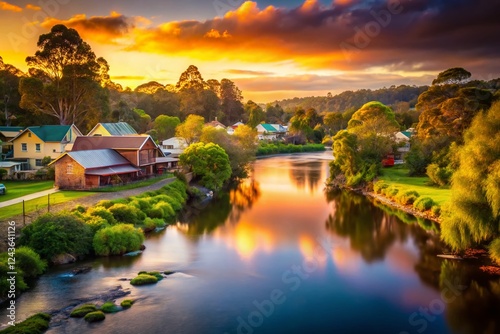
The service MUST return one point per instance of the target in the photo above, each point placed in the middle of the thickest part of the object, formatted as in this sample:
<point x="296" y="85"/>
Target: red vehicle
<point x="388" y="161"/>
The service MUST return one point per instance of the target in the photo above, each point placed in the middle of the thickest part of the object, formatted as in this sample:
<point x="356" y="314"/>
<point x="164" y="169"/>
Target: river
<point x="280" y="255"/>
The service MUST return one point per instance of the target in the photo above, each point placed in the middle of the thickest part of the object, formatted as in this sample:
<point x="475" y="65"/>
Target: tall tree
<point x="454" y="75"/>
<point x="231" y="104"/>
<point x="165" y="126"/>
<point x="255" y="114"/>
<point x="474" y="215"/>
<point x="191" y="79"/>
<point x="64" y="79"/>
<point x="190" y="129"/>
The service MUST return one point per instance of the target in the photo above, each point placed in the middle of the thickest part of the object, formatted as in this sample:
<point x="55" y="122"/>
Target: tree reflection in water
<point x="227" y="206"/>
<point x="305" y="173"/>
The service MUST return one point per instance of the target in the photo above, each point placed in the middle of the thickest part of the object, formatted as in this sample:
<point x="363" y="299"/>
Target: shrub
<point x="195" y="192"/>
<point x="155" y="213"/>
<point x="144" y="279"/>
<point x="95" y="316"/>
<point x="118" y="239"/>
<point x="173" y="201"/>
<point x="101" y="211"/>
<point x="109" y="307"/>
<point x="141" y="204"/>
<point x="166" y="208"/>
<point x="423" y="203"/>
<point x="105" y="203"/>
<point x="436" y="210"/>
<point x="494" y="250"/>
<point x="29" y="262"/>
<point x="127" y="303"/>
<point x="125" y="214"/>
<point x="392" y="191"/>
<point x="379" y="186"/>
<point x="439" y="175"/>
<point x="53" y="234"/>
<point x="407" y="197"/>
<point x="96" y="223"/>
<point x="79" y="208"/>
<point x="35" y="324"/>
<point x="81" y="311"/>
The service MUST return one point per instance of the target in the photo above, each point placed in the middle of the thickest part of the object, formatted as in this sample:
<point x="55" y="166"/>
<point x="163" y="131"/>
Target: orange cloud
<point x="9" y="7"/>
<point x="103" y="29"/>
<point x="33" y="7"/>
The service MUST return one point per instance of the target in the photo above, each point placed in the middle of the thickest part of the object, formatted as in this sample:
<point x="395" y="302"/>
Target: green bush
<point x="53" y="234"/>
<point x="96" y="223"/>
<point x="127" y="303"/>
<point x="440" y="176"/>
<point x="105" y="203"/>
<point x="36" y="324"/>
<point x="423" y="203"/>
<point x="392" y="191"/>
<point x="81" y="311"/>
<point x="144" y="279"/>
<point x="125" y="214"/>
<point x="166" y="208"/>
<point x="436" y="210"/>
<point x="407" y="197"/>
<point x="117" y="240"/>
<point x="79" y="208"/>
<point x="494" y="250"/>
<point x="141" y="204"/>
<point x="379" y="186"/>
<point x="155" y="213"/>
<point x="29" y="262"/>
<point x="95" y="316"/>
<point x="101" y="211"/>
<point x="109" y="307"/>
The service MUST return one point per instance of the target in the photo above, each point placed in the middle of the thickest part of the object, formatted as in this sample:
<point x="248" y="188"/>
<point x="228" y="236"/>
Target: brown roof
<point x="84" y="143"/>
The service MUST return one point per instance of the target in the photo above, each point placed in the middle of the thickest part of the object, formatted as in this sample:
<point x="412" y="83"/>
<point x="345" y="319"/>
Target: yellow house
<point x="36" y="142"/>
<point x="112" y="129"/>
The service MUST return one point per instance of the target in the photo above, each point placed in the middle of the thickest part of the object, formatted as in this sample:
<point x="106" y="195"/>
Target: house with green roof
<point x="36" y="142"/>
<point x="270" y="131"/>
<point x="112" y="129"/>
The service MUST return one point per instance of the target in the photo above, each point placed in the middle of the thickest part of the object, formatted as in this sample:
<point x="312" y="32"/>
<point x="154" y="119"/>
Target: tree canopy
<point x="190" y="129"/>
<point x="209" y="162"/>
<point x="65" y="78"/>
<point x="452" y="76"/>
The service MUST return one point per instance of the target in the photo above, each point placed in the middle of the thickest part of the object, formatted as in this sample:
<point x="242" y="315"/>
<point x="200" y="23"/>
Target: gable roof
<point x="268" y="127"/>
<point x="11" y="128"/>
<point x="407" y="133"/>
<point x="50" y="133"/>
<point x="215" y="124"/>
<point x="114" y="142"/>
<point x="96" y="158"/>
<point x="117" y="129"/>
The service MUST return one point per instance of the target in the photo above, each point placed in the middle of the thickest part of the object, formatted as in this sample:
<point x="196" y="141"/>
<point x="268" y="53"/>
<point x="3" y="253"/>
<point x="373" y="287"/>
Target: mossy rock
<point x="95" y="316"/>
<point x="36" y="324"/>
<point x="83" y="310"/>
<point x="109" y="307"/>
<point x="156" y="274"/>
<point x="144" y="279"/>
<point x="127" y="303"/>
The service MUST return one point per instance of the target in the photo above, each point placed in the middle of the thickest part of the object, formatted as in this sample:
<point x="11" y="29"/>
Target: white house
<point x="173" y="147"/>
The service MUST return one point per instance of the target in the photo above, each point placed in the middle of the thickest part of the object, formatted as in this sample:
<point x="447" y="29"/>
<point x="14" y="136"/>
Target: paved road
<point x="28" y="197"/>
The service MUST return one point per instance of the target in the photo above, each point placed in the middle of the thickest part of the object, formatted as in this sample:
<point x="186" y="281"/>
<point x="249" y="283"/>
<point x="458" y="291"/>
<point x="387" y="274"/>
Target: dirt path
<point x="85" y="201"/>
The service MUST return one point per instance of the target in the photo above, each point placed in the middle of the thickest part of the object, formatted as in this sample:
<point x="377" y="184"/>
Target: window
<point x="24" y="147"/>
<point x="29" y="134"/>
<point x="38" y="147"/>
<point x="69" y="169"/>
<point x="38" y="162"/>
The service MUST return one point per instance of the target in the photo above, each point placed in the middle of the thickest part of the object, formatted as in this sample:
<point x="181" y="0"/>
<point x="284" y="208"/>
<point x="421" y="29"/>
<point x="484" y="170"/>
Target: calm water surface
<point x="279" y="255"/>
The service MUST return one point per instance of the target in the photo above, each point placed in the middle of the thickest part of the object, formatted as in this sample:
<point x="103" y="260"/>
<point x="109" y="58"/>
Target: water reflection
<point x="305" y="173"/>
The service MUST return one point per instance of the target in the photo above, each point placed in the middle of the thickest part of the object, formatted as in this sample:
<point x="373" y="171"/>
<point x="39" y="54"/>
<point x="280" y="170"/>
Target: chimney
<point x="216" y="118"/>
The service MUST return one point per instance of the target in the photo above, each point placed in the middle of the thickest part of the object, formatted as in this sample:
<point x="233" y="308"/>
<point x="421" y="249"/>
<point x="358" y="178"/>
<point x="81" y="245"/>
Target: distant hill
<point x="355" y="99"/>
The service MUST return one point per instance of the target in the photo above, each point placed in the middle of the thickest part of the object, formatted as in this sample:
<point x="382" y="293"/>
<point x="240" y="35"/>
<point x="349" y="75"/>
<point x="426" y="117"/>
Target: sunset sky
<point x="270" y="49"/>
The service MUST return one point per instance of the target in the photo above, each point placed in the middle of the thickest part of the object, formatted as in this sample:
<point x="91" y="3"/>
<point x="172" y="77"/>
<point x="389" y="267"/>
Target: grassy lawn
<point x="134" y="185"/>
<point x="17" y="189"/>
<point x="398" y="176"/>
<point x="41" y="203"/>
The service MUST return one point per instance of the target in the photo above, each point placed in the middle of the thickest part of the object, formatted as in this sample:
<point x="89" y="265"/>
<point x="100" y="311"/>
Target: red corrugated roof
<point x="84" y="143"/>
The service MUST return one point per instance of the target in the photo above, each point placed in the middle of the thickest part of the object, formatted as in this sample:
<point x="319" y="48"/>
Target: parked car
<point x="3" y="190"/>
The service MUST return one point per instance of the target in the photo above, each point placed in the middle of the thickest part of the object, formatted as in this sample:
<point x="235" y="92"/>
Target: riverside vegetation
<point x="109" y="228"/>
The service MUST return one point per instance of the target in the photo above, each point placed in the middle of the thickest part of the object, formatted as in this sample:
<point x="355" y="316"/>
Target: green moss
<point x="35" y="324"/>
<point x="144" y="279"/>
<point x="156" y="274"/>
<point x="83" y="310"/>
<point x="95" y="316"/>
<point x="127" y="303"/>
<point x="109" y="307"/>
